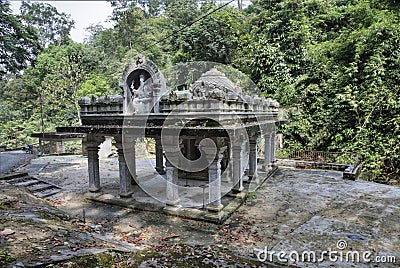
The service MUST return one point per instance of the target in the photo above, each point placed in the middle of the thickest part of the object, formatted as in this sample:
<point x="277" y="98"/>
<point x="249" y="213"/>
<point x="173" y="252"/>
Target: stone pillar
<point x="227" y="175"/>
<point x="84" y="146"/>
<point x="93" y="162"/>
<point x="190" y="148"/>
<point x="280" y="140"/>
<point x="159" y="157"/>
<point x="126" y="152"/>
<point x="269" y="148"/>
<point x="156" y="96"/>
<point x="273" y="147"/>
<point x="253" y="158"/>
<point x="245" y="158"/>
<point x="62" y="145"/>
<point x="267" y="151"/>
<point x="51" y="145"/>
<point x="41" y="147"/>
<point x="172" y="178"/>
<point x="237" y="168"/>
<point x="214" y="179"/>
<point x="214" y="208"/>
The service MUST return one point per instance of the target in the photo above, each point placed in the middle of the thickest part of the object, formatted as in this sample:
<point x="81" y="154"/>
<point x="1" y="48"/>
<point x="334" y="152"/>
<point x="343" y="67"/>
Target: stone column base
<point x="236" y="190"/>
<point x="266" y="168"/>
<point x="160" y="171"/>
<point x="94" y="189"/>
<point x="126" y="195"/>
<point x="214" y="213"/>
<point x="246" y="179"/>
<point x="215" y="216"/>
<point x="254" y="178"/>
<point x="212" y="208"/>
<point x="172" y="202"/>
<point x="172" y="206"/>
<point x="238" y="195"/>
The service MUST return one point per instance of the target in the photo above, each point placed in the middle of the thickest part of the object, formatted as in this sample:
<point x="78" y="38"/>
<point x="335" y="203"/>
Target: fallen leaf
<point x="7" y="232"/>
<point x="170" y="236"/>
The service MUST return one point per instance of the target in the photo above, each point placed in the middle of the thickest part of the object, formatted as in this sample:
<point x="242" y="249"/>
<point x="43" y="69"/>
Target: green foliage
<point x="53" y="27"/>
<point x="5" y="257"/>
<point x="152" y="8"/>
<point x="61" y="72"/>
<point x="19" y="44"/>
<point x="47" y="91"/>
<point x="336" y="64"/>
<point x="95" y="84"/>
<point x="134" y="32"/>
<point x="7" y="113"/>
<point x="181" y="12"/>
<point x="213" y="38"/>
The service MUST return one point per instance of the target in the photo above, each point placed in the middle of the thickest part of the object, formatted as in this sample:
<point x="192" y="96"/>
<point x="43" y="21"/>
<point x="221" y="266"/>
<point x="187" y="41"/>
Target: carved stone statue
<point x="199" y="92"/>
<point x="216" y="94"/>
<point x="144" y="90"/>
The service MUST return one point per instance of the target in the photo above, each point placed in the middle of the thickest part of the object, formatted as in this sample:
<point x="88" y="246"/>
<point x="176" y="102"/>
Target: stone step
<point x="39" y="187"/>
<point x="27" y="183"/>
<point x="18" y="180"/>
<point x="46" y="193"/>
<point x="13" y="176"/>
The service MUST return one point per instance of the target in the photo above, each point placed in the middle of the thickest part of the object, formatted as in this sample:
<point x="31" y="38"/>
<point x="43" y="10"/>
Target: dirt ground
<point x="294" y="211"/>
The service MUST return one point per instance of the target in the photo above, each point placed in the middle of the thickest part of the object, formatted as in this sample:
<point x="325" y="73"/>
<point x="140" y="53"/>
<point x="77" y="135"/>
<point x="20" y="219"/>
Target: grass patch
<point x="5" y="257"/>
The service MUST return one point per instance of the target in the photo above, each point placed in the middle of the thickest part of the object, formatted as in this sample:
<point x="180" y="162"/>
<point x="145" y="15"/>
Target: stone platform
<point x="142" y="201"/>
<point x="69" y="173"/>
<point x="294" y="210"/>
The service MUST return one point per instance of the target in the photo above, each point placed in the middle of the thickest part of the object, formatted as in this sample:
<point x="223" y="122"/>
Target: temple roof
<point x="214" y="78"/>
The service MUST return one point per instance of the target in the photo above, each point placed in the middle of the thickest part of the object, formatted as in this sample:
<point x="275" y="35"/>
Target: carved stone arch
<point x="140" y="64"/>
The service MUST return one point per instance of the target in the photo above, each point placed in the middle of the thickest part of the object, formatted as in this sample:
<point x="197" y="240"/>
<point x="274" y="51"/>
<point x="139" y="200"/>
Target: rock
<point x="7" y="232"/>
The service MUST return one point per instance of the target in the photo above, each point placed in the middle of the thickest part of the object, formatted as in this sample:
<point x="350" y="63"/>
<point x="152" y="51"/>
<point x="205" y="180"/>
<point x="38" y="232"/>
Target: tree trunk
<point x="240" y="5"/>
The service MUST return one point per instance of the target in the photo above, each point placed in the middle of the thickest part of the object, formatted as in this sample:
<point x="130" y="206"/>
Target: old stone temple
<point x="206" y="135"/>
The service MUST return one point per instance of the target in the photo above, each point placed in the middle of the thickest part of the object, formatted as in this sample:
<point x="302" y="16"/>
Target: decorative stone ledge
<point x="112" y="104"/>
<point x="349" y="171"/>
<point x="352" y="172"/>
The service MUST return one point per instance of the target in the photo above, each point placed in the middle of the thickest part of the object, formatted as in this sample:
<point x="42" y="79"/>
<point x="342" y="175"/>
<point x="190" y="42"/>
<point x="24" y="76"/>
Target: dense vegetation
<point x="332" y="64"/>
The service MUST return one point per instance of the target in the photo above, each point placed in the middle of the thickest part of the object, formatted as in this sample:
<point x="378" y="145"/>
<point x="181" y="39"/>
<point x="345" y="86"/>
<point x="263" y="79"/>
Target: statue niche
<point x="143" y="85"/>
<point x="140" y="84"/>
